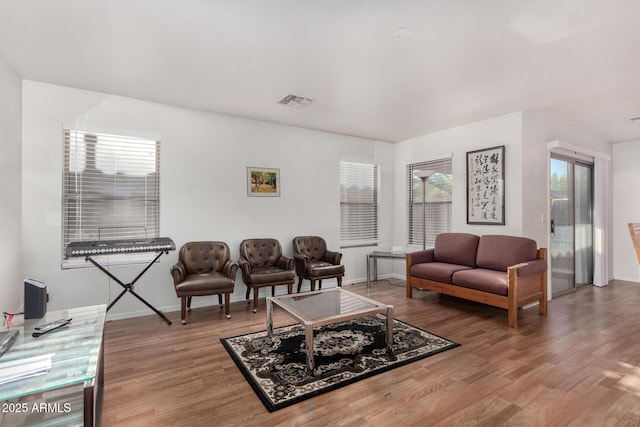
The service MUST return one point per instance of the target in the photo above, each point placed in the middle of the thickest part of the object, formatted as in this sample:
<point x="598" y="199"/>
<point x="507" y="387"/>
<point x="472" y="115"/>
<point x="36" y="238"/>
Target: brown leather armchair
<point x="262" y="264"/>
<point x="315" y="262"/>
<point x="204" y="268"/>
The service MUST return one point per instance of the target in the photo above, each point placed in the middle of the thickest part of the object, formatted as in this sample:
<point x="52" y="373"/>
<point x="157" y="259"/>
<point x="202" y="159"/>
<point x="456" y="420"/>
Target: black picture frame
<point x="485" y="186"/>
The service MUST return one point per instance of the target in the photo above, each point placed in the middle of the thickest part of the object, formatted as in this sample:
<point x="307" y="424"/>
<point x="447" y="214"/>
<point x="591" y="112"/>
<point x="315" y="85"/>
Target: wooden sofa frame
<point x="634" y="231"/>
<point x="523" y="290"/>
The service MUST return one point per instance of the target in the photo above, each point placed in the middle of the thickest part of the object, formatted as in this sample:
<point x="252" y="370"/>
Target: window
<point x="438" y="201"/>
<point x="358" y="204"/>
<point x="111" y="188"/>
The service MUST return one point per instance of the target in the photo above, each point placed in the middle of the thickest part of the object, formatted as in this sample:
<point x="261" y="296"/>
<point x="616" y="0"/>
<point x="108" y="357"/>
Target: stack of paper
<point x="24" y="368"/>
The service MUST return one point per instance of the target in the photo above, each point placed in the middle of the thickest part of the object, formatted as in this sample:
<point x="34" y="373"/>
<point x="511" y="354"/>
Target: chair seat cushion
<point x="204" y="283"/>
<point x="270" y="274"/>
<point x="323" y="268"/>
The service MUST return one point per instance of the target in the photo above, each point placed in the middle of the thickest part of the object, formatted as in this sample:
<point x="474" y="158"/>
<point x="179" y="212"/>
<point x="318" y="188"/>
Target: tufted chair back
<point x="261" y="252"/>
<point x="203" y="268"/>
<point x="315" y="262"/>
<point x="204" y="257"/>
<point x="262" y="264"/>
<point x="313" y="247"/>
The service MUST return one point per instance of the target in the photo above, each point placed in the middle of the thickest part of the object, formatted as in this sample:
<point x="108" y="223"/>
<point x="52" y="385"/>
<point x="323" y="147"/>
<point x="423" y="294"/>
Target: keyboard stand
<point x="128" y="287"/>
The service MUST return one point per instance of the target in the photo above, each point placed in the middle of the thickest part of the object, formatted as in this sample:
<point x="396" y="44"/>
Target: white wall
<point x="203" y="188"/>
<point x="10" y="191"/>
<point x="535" y="180"/>
<point x="204" y="160"/>
<point x="505" y="130"/>
<point x="626" y="202"/>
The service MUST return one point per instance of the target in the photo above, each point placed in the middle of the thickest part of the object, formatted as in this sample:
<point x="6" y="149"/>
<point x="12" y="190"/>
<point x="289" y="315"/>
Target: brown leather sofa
<point x="315" y="262"/>
<point x="262" y="264"/>
<point x="502" y="271"/>
<point x="203" y="268"/>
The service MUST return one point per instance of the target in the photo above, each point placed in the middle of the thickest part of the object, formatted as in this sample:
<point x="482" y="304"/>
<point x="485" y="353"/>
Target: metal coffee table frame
<point x="326" y="306"/>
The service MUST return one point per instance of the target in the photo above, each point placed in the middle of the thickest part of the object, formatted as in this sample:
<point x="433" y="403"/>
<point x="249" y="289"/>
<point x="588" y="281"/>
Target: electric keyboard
<point x="87" y="249"/>
<point x="107" y="247"/>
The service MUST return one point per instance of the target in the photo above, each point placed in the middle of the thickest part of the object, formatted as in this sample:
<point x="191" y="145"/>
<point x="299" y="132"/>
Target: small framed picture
<point x="263" y="182"/>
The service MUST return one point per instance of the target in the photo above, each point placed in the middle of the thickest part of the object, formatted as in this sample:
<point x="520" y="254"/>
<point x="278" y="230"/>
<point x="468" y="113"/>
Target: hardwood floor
<point x="578" y="366"/>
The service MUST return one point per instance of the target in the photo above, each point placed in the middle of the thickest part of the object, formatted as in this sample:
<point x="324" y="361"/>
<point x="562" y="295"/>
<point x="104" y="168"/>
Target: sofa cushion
<point x="493" y="281"/>
<point x="498" y="252"/>
<point x="436" y="271"/>
<point x="456" y="248"/>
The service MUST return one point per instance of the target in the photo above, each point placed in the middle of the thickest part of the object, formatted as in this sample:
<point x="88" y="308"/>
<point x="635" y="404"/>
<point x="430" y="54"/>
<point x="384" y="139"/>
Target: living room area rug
<point x="345" y="352"/>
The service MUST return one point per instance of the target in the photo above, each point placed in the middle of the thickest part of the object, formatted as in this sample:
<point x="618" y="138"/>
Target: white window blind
<point x="359" y="183"/>
<point x="111" y="187"/>
<point x="438" y="201"/>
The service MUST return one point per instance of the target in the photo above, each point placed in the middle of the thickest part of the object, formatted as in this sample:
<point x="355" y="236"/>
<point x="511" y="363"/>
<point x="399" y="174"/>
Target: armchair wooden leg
<point x="188" y="303"/>
<point x="273" y="291"/>
<point x="183" y="310"/>
<point x="255" y="299"/>
<point x="313" y="284"/>
<point x="227" y="300"/>
<point x="299" y="284"/>
<point x="339" y="281"/>
<point x="248" y="290"/>
<point x="220" y="299"/>
<point x="320" y="284"/>
<point x="290" y="288"/>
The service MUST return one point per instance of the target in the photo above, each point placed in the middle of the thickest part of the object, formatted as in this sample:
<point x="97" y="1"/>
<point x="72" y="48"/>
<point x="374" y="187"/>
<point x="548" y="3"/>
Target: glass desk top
<point x="75" y="349"/>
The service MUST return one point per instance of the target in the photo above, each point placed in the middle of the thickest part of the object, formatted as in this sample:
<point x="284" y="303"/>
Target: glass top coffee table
<point x="326" y="306"/>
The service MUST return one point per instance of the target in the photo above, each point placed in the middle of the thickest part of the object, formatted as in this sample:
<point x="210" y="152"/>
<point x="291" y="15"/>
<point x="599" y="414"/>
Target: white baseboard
<point x="200" y="302"/>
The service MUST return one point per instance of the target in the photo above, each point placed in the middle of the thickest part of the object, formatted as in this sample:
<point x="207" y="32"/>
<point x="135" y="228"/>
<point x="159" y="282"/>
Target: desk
<point x="71" y="393"/>
<point x="379" y="254"/>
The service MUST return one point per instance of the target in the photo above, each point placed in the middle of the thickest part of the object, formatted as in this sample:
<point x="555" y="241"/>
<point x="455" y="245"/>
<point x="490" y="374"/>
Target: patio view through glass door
<point x="571" y="228"/>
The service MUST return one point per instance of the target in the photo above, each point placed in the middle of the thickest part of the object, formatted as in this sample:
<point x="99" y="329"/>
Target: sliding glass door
<point x="571" y="249"/>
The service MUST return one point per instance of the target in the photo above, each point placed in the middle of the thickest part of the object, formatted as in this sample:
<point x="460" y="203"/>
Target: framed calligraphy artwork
<point x="485" y="186"/>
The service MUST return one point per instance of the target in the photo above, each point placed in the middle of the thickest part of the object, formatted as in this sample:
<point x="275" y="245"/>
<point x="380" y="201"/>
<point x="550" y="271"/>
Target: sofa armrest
<point x="419" y="257"/>
<point x="531" y="267"/>
<point x="413" y="258"/>
<point x="527" y="284"/>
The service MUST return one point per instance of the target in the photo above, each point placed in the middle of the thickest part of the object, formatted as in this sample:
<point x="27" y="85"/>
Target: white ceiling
<point x="576" y="62"/>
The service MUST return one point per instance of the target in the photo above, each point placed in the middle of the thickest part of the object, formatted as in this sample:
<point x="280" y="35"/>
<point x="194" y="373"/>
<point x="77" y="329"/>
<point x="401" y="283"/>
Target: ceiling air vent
<point x="295" y="101"/>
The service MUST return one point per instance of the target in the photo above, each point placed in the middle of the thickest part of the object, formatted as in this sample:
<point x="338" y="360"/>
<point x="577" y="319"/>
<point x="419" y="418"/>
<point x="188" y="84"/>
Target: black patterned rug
<point x="345" y="352"/>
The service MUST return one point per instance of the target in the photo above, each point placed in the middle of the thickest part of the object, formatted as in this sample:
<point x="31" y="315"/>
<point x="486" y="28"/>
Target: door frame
<point x="601" y="205"/>
<point x="572" y="163"/>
